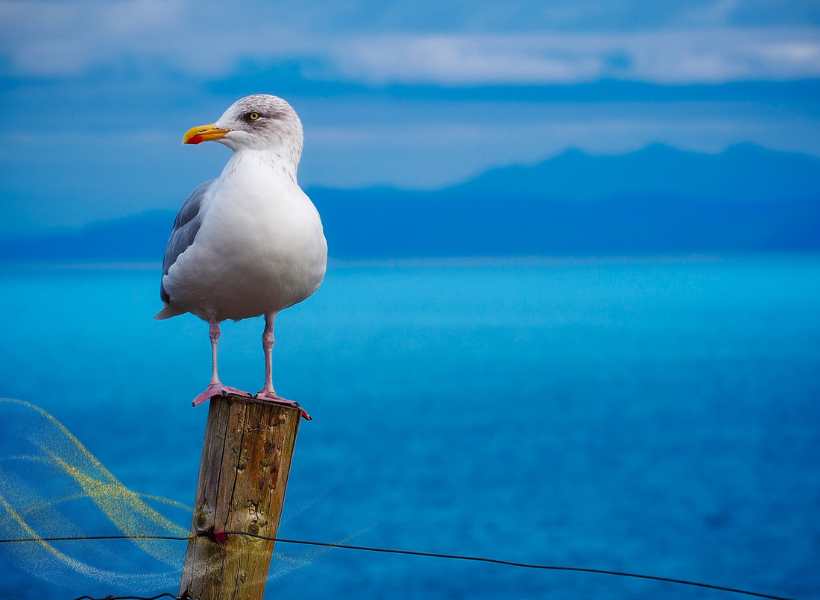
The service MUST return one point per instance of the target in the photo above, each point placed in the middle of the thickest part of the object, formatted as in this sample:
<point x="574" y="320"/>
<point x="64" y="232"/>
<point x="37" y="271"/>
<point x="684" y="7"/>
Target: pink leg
<point x="214" y="333"/>
<point x="268" y="392"/>
<point x="215" y="388"/>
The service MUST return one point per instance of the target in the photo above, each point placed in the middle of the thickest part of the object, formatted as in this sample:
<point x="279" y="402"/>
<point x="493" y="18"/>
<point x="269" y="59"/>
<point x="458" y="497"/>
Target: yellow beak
<point x="203" y="133"/>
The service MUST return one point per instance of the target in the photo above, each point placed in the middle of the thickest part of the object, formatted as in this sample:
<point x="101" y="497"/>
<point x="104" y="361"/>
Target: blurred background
<point x="571" y="313"/>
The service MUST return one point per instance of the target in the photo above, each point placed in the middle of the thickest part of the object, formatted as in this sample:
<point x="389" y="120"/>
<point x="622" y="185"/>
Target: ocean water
<point x="657" y="416"/>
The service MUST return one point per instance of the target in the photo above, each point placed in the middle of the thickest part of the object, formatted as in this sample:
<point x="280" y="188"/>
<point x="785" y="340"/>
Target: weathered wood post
<point x="242" y="479"/>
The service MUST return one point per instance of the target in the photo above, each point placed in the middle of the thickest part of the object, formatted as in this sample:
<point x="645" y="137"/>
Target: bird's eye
<point x="253" y="116"/>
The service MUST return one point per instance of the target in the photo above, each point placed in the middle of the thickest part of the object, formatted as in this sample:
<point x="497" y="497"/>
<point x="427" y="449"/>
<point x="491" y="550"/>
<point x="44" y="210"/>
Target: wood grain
<point x="244" y="471"/>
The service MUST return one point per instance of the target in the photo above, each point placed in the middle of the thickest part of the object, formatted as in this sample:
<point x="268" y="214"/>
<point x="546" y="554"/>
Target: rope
<point x="462" y="557"/>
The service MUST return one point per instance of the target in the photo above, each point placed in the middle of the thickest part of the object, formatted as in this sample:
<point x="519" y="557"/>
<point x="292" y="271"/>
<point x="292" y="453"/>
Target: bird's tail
<point x="168" y="311"/>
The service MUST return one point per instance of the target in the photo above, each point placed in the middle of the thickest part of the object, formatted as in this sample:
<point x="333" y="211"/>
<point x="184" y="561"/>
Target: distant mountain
<point x="136" y="237"/>
<point x="654" y="200"/>
<point x="742" y="172"/>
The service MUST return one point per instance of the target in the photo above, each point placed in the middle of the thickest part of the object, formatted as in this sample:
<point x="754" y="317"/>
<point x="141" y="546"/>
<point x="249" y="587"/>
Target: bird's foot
<point x="272" y="396"/>
<point x="216" y="389"/>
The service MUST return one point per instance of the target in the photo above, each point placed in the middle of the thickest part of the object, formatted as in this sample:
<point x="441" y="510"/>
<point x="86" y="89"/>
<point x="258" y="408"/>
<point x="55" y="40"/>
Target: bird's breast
<point x="267" y="243"/>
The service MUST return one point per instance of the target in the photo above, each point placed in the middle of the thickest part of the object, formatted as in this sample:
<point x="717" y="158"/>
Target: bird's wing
<point x="186" y="226"/>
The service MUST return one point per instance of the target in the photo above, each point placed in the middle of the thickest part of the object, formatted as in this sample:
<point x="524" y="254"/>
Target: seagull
<point x="250" y="242"/>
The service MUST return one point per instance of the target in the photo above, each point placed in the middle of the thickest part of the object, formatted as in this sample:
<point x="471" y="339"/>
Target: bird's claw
<point x="217" y="389"/>
<point x="277" y="399"/>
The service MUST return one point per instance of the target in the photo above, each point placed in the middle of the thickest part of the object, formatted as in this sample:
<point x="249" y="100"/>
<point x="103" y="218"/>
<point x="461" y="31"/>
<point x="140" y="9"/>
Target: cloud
<point x="694" y="56"/>
<point x="69" y="40"/>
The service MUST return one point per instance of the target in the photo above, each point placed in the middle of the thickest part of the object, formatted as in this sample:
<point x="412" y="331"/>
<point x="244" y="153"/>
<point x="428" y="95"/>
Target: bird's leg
<point x="215" y="333"/>
<point x="268" y="392"/>
<point x="215" y="388"/>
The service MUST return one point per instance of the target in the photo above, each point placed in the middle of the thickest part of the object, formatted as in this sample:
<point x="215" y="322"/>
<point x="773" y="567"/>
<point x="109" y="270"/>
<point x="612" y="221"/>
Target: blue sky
<point x="96" y="95"/>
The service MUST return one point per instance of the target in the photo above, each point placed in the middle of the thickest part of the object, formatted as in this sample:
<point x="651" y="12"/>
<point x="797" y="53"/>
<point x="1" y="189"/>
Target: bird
<point x="250" y="242"/>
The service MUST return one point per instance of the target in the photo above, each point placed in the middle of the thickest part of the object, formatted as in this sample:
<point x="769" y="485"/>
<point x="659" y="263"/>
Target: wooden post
<point x="242" y="479"/>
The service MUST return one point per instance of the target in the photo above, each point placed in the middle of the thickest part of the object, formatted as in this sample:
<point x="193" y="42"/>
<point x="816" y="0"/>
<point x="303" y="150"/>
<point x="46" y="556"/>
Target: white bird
<point x="249" y="242"/>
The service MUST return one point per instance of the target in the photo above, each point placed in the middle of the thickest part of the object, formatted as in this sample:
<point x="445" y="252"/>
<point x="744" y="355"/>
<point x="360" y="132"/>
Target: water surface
<point x="657" y="416"/>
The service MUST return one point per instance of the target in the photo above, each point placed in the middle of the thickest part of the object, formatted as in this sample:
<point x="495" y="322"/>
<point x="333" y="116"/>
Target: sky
<point x="96" y="95"/>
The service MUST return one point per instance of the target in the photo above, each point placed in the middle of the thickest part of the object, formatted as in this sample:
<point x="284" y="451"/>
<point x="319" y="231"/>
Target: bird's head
<point x="258" y="122"/>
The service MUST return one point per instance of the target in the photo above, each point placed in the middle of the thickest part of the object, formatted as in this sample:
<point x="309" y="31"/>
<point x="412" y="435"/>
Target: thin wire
<point x="510" y="563"/>
<point x="463" y="557"/>
<point x="163" y="595"/>
<point x="97" y="538"/>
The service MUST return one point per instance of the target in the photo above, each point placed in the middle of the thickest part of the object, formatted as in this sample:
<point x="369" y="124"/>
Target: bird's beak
<point x="203" y="133"/>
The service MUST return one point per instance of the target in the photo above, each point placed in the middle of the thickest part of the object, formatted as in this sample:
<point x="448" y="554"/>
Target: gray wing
<point x="183" y="234"/>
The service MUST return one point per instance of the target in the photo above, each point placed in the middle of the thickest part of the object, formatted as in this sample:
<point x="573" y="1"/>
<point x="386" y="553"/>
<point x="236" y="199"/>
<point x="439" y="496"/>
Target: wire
<point x="163" y="595"/>
<point x="97" y="538"/>
<point x="400" y="551"/>
<point x="510" y="563"/>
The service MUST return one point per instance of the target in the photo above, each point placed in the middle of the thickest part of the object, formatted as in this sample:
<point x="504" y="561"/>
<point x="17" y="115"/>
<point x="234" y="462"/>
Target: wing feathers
<point x="183" y="234"/>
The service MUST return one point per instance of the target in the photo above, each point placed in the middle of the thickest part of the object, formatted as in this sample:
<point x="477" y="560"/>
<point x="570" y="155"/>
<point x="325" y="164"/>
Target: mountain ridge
<point x="656" y="199"/>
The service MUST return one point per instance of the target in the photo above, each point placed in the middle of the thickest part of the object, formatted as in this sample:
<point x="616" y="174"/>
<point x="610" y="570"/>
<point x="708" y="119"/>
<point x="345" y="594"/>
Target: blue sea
<point x="655" y="415"/>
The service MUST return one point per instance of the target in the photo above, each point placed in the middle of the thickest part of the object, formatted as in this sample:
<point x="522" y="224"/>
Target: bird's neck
<point x="282" y="162"/>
